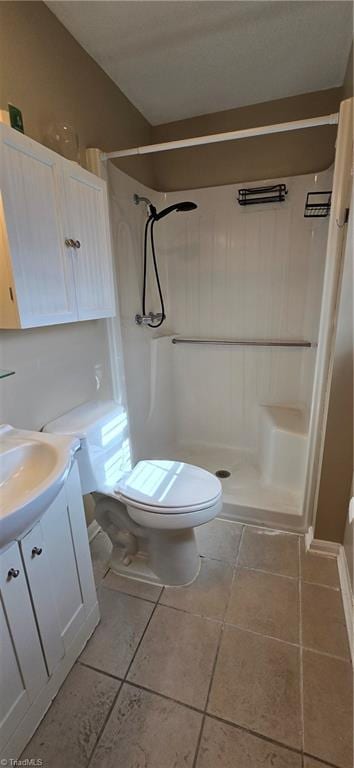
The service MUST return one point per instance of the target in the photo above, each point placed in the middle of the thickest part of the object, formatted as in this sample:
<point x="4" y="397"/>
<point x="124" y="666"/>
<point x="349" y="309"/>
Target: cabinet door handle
<point x="36" y="551"/>
<point x="13" y="573"/>
<point x="70" y="243"/>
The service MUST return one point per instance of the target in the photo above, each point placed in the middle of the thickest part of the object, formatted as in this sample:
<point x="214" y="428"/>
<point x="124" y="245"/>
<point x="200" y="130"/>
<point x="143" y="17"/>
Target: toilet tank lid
<point x="85" y="418"/>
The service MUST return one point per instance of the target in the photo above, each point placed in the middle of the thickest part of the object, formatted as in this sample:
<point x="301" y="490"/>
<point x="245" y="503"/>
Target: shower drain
<point x="222" y="473"/>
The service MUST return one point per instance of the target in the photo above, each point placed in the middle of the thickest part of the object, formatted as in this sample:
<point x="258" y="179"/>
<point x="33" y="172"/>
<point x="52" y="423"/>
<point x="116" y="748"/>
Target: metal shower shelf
<point x="318" y="204"/>
<point x="274" y="193"/>
<point x="245" y="342"/>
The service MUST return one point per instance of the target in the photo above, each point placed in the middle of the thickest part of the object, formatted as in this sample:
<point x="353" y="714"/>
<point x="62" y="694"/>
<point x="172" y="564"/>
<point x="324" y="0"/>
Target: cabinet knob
<point x="77" y="244"/>
<point x="13" y="573"/>
<point x="36" y="551"/>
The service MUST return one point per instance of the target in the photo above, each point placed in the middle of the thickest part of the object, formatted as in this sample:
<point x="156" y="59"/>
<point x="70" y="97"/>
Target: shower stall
<point x="234" y="378"/>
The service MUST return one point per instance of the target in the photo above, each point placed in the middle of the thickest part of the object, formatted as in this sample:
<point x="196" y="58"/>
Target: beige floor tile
<point x="176" y="656"/>
<point x="328" y="708"/>
<point x="68" y="733"/>
<point x="113" y="644"/>
<point x="208" y="595"/>
<point x="219" y="539"/>
<point x="257" y="685"/>
<point x="147" y="731"/>
<point x="323" y="621"/>
<point x="265" y="603"/>
<point x="101" y="548"/>
<point x="225" y="746"/>
<point x="270" y="550"/>
<point x="319" y="569"/>
<point x="132" y="586"/>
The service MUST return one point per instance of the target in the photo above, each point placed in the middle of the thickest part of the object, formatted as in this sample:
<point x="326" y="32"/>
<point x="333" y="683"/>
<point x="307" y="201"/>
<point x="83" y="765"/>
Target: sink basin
<point x="33" y="469"/>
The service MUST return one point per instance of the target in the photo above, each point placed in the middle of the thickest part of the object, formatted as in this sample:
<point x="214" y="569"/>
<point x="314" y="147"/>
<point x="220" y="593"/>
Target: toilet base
<point x="139" y="569"/>
<point x="165" y="557"/>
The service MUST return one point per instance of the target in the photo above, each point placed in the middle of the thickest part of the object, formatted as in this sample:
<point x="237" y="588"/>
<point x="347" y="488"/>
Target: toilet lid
<point x="167" y="485"/>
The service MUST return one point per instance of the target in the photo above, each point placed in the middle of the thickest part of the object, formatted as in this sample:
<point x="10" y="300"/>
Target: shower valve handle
<point x="147" y="319"/>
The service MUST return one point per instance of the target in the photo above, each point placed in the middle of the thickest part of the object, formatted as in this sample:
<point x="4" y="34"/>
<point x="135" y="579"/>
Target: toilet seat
<point x="169" y="488"/>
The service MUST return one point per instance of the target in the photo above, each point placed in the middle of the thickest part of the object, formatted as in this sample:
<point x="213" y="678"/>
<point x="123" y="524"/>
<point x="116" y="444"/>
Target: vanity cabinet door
<point x="37" y="565"/>
<point x="87" y="223"/>
<point x="34" y="258"/>
<point x="22" y="669"/>
<point x="64" y="576"/>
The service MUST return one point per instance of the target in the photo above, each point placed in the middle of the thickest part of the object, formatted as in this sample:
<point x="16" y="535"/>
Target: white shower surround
<point x="227" y="272"/>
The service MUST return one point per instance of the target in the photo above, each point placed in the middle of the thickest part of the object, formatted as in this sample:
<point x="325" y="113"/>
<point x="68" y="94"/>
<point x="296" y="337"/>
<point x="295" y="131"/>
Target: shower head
<point x="184" y="206"/>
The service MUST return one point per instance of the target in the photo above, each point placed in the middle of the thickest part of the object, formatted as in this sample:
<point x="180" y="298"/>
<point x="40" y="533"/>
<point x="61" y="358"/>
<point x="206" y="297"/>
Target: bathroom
<point x="217" y="599"/>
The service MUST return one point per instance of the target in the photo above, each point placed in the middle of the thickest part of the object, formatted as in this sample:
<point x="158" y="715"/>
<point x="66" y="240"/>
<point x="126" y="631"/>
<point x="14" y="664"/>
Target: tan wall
<point x="249" y="159"/>
<point x="46" y="73"/>
<point x="51" y="78"/>
<point x="337" y="465"/>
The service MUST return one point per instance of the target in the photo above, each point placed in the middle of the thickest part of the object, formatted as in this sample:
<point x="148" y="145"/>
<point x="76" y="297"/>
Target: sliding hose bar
<point x="161" y="316"/>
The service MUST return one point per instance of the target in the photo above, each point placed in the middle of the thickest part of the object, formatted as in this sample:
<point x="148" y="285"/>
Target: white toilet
<point x="148" y="512"/>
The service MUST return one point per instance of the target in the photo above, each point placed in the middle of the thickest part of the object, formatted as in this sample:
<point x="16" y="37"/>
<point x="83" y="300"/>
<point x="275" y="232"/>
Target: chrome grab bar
<point x="245" y="342"/>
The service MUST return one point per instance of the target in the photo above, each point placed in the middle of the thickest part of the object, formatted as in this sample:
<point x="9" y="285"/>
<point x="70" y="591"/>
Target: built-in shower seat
<point x="283" y="446"/>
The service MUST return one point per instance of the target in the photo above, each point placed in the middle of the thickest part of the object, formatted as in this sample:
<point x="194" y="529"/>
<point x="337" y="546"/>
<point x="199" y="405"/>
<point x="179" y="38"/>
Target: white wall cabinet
<point x="55" y="251"/>
<point x="48" y="609"/>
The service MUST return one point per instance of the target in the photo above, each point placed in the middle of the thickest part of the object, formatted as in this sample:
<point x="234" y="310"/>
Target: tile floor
<point x="246" y="668"/>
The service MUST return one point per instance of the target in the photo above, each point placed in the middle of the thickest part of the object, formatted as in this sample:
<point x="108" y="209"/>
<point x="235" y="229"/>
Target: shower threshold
<point x="247" y="498"/>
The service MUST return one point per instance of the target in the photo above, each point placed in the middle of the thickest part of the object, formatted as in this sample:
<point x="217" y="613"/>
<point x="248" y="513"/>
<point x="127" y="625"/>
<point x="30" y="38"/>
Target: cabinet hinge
<point x="11" y="293"/>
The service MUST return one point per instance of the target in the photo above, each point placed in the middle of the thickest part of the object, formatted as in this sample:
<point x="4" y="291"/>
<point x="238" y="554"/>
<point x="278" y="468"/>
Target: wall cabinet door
<point x="86" y="222"/>
<point x="45" y="201"/>
<point x="22" y="669"/>
<point x="40" y="263"/>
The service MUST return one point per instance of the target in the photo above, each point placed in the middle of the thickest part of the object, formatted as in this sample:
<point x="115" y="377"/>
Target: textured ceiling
<point x="175" y="60"/>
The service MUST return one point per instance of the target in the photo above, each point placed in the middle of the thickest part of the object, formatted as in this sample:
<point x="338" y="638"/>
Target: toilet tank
<point x="104" y="455"/>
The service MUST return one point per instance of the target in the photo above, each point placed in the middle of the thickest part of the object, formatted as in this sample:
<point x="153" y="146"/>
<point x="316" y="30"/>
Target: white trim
<point x="347" y="597"/>
<point x="329" y="309"/>
<point x="333" y="549"/>
<point x="329" y="548"/>
<point x="308" y="538"/>
<point x="213" y="138"/>
<point x="92" y="530"/>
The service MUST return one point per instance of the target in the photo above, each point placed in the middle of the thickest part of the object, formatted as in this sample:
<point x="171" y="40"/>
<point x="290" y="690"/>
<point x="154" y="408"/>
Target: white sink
<point x="33" y="469"/>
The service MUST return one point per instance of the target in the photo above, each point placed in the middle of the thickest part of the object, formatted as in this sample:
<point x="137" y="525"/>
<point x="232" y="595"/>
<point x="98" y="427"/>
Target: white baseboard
<point x="333" y="549"/>
<point x="93" y="530"/>
<point x="347" y="596"/>
<point x="329" y="548"/>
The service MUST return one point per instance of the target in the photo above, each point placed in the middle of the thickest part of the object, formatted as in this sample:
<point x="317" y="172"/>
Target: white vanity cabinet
<point x="55" y="252"/>
<point x="48" y="610"/>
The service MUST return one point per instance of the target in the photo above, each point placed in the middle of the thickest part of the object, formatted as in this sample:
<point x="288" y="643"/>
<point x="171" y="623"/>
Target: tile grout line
<point x="217" y="654"/>
<point x="230" y="723"/>
<point x="123" y="680"/>
<point x="128" y="594"/>
<point x="202" y="712"/>
<point x="321" y="760"/>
